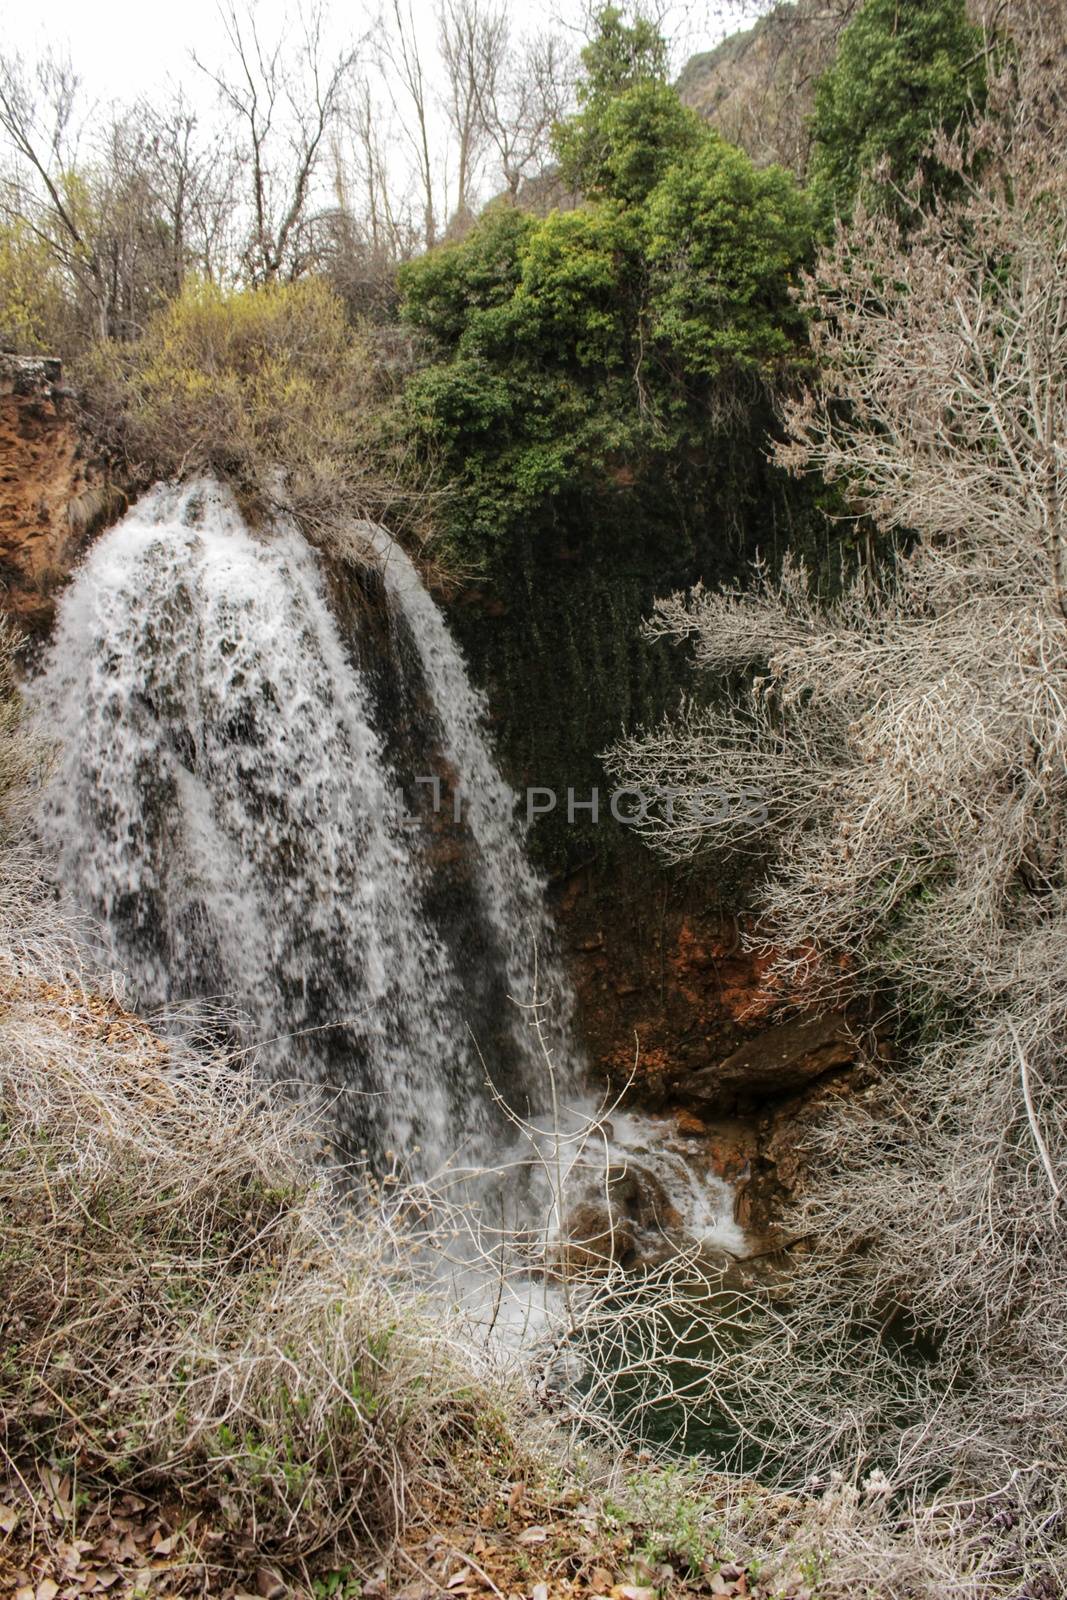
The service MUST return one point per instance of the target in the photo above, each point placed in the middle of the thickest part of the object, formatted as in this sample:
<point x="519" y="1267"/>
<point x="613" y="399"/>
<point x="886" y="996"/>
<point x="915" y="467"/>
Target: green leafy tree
<point x="904" y="69"/>
<point x="631" y="125"/>
<point x="724" y="240"/>
<point x="595" y="348"/>
<point x="599" y="394"/>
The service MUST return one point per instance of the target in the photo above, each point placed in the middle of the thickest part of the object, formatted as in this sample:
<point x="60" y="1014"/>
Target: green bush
<point x="601" y="386"/>
<point x="603" y="341"/>
<point x="904" y="68"/>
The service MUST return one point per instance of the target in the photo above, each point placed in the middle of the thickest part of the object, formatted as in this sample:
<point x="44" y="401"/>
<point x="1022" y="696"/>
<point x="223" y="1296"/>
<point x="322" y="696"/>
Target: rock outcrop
<point x="774" y="1063"/>
<point x="612" y="1226"/>
<point x="758" y="87"/>
<point x="52" y="496"/>
<point x="672" y="1002"/>
<point x="666" y="986"/>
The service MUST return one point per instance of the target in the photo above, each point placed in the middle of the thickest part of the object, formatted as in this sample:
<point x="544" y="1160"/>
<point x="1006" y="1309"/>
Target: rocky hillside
<point x="758" y="87"/>
<point x="52" y="495"/>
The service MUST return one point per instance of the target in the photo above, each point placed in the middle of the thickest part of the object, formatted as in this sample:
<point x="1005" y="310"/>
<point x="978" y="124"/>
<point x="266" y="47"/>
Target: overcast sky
<point x="129" y="50"/>
<point x="125" y="48"/>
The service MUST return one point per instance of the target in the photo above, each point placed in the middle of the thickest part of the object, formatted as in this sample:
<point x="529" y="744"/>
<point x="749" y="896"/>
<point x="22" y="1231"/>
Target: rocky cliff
<point x="758" y="87"/>
<point x="53" y="496"/>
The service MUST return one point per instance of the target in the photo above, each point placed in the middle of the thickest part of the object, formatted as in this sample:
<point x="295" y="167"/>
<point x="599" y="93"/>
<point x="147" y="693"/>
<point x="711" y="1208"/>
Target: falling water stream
<point x="299" y="819"/>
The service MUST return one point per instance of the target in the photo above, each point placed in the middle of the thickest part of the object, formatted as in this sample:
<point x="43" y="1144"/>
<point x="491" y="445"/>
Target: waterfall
<point x="226" y="807"/>
<point x="274" y="796"/>
<point x="510" y="894"/>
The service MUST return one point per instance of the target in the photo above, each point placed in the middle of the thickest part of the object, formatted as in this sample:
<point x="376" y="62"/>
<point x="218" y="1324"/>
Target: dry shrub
<point x="185" y="1302"/>
<point x="909" y="741"/>
<point x="269" y="388"/>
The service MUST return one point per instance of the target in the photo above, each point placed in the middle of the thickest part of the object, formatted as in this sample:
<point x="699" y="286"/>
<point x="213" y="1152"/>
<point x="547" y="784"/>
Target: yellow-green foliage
<point x="32" y="302"/>
<point x="243" y="383"/>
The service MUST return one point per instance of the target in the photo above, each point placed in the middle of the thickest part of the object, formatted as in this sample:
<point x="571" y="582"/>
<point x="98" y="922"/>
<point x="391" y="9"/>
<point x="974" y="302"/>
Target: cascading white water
<point x="227" y="806"/>
<point x="222" y="805"/>
<point x="510" y="894"/>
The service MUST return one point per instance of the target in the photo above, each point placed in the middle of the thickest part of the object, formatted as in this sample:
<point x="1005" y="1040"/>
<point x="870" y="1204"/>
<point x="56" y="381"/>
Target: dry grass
<point x="182" y="1300"/>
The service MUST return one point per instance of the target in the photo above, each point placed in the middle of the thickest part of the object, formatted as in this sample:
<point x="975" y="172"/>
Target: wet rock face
<point x="665" y="984"/>
<point x="669" y="1187"/>
<point x="776" y="1062"/>
<point x="620" y="1225"/>
<point x="786" y="1139"/>
<point x="674" y="1004"/>
<point x="52" y="498"/>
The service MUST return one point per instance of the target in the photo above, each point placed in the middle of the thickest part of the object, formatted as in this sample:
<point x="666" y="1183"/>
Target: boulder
<point x="776" y="1062"/>
<point x="623" y="1223"/>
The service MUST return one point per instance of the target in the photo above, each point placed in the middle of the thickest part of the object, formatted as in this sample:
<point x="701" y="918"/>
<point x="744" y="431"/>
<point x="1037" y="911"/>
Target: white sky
<point x="127" y="48"/>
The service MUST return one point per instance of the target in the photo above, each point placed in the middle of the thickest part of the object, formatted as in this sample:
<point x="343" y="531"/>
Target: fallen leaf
<point x="58" y="1489"/>
<point x="540" y="1591"/>
<point x="458" y="1579"/>
<point x="532" y="1536"/>
<point x="47" y="1589"/>
<point x="9" y="1516"/>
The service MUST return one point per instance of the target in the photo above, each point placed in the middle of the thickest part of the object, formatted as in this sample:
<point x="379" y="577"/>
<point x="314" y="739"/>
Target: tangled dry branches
<point x="908" y="746"/>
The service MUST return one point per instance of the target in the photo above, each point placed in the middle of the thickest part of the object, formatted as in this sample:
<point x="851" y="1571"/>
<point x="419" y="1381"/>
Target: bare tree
<point x="368" y="188"/>
<point x="472" y="41"/>
<point x="194" y="183"/>
<point x="399" y="50"/>
<point x="121" y="204"/>
<point x="900" y="756"/>
<point x="37" y="119"/>
<point x="285" y="95"/>
<point x="522" y="94"/>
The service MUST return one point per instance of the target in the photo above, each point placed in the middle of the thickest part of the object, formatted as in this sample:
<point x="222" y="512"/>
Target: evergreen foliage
<point x="904" y="68"/>
<point x="600" y="389"/>
<point x="612" y="347"/>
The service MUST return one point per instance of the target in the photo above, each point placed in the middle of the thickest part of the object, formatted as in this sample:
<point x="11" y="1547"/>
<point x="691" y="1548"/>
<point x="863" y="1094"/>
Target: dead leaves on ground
<point x="54" y="1546"/>
<point x="560" y="1552"/>
<point x="59" y="1548"/>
